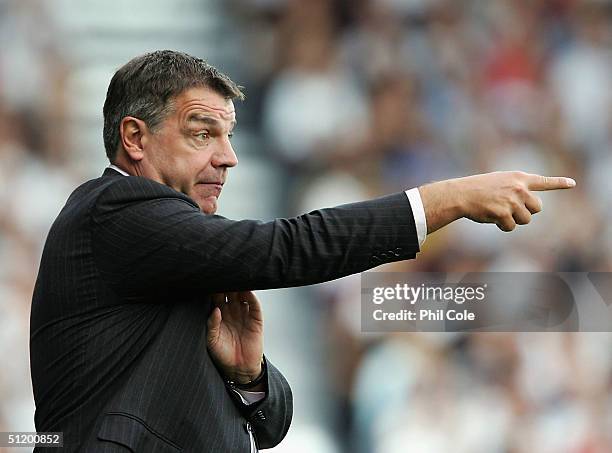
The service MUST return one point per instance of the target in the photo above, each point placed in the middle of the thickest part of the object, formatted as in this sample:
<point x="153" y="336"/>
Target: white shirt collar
<point x="114" y="167"/>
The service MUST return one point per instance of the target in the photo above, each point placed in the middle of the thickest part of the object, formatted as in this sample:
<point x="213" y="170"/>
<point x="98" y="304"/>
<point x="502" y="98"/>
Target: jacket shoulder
<point x="129" y="190"/>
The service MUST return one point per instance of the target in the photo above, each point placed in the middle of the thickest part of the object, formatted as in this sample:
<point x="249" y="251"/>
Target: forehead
<point x="199" y="101"/>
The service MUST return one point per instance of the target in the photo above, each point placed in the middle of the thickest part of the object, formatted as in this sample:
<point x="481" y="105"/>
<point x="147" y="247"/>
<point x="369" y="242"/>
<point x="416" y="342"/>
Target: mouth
<point x="214" y="186"/>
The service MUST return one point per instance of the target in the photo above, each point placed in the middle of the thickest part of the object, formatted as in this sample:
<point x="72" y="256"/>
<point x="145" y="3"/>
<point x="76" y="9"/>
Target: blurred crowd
<point x="35" y="180"/>
<point x="355" y="99"/>
<point x="361" y="98"/>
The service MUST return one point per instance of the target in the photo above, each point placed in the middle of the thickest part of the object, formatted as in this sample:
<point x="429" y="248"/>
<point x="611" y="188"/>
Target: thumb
<point x="214" y="325"/>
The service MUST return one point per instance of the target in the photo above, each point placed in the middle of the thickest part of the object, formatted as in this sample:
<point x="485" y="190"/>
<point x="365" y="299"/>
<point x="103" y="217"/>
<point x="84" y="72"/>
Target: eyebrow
<point x="199" y="118"/>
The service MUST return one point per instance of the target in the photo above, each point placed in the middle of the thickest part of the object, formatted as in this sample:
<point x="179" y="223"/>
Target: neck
<point x="136" y="167"/>
<point x="130" y="167"/>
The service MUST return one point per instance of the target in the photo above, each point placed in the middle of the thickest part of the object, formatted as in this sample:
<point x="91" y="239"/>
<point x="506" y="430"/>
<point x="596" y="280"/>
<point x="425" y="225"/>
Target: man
<point x="144" y="335"/>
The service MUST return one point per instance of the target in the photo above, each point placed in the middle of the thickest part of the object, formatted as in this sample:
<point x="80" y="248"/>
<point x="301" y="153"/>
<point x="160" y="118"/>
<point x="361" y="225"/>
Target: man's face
<point x="191" y="149"/>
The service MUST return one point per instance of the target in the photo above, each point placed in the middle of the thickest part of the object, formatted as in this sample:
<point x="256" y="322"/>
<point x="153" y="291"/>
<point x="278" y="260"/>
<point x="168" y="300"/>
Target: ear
<point x="131" y="131"/>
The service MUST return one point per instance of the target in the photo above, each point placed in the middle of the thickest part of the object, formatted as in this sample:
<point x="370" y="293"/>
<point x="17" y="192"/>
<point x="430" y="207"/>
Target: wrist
<point x="457" y="204"/>
<point x="249" y="381"/>
<point x="443" y="203"/>
<point x="242" y="376"/>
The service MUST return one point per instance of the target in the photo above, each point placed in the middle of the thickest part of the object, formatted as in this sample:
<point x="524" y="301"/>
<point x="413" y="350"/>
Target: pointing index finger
<point x="538" y="182"/>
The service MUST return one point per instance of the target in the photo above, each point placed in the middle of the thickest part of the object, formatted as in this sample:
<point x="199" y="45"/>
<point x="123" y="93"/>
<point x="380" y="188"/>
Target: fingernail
<point x="570" y="182"/>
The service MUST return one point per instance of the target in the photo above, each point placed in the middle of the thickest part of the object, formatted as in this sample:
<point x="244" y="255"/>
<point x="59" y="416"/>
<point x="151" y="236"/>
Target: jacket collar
<point x="111" y="172"/>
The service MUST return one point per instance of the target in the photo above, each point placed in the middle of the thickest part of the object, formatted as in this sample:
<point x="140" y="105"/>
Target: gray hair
<point x="146" y="86"/>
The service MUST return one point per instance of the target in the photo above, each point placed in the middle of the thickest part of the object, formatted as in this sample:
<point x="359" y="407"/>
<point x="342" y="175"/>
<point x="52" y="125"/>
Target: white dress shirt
<point x="416" y="203"/>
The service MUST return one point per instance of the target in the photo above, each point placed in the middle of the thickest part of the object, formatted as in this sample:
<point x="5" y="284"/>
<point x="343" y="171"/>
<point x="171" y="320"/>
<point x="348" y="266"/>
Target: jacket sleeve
<point x="148" y="237"/>
<point x="270" y="417"/>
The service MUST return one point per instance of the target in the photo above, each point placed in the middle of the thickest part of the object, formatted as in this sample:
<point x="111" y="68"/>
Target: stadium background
<point x="347" y="100"/>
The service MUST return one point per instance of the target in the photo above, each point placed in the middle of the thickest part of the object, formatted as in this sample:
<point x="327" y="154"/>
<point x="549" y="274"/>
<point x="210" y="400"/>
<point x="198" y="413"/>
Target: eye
<point x="204" y="135"/>
<point x="230" y="135"/>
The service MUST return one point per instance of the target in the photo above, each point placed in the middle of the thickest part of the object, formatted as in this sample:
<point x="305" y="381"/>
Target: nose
<point x="225" y="155"/>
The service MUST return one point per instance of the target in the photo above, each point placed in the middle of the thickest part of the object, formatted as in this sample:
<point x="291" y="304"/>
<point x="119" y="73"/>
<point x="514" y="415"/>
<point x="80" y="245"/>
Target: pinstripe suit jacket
<point x="118" y="322"/>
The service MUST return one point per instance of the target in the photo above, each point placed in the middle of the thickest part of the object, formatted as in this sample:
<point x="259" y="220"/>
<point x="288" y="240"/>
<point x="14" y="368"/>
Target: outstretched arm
<point x="149" y="238"/>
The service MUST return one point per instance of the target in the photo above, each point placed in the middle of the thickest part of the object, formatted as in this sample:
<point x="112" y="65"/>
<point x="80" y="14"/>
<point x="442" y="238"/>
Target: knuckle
<point x="518" y="188"/>
<point x="496" y="213"/>
<point x="514" y="204"/>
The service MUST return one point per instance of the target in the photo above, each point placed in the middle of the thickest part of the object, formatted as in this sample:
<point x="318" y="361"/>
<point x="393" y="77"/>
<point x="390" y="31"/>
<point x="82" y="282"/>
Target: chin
<point x="207" y="207"/>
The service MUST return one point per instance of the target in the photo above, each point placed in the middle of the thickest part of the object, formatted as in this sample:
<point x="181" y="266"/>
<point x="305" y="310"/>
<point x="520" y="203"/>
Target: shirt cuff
<point x="416" y="203"/>
<point x="249" y="398"/>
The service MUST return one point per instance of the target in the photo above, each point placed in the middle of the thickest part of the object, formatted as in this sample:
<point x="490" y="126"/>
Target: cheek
<point x="181" y="163"/>
<point x="164" y="156"/>
<point x="201" y="163"/>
